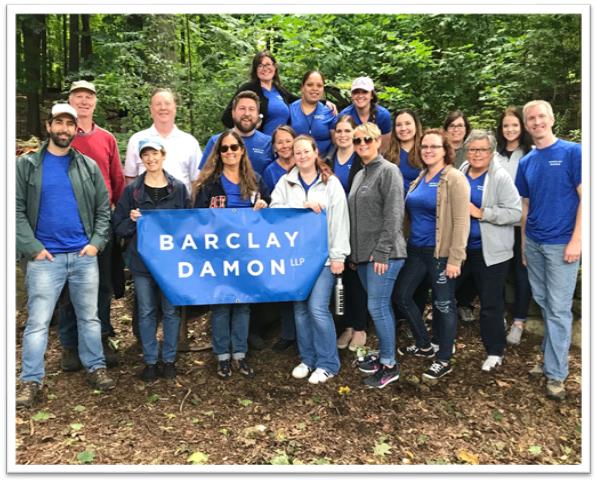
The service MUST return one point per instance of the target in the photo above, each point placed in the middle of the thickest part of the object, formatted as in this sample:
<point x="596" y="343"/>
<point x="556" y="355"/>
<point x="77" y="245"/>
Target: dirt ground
<point x="469" y="417"/>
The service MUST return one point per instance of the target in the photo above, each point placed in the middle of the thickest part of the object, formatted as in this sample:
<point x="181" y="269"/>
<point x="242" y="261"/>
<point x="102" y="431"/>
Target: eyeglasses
<point x="478" y="150"/>
<point x="425" y="147"/>
<point x="456" y="126"/>
<point x="359" y="140"/>
<point x="232" y="147"/>
<point x="264" y="66"/>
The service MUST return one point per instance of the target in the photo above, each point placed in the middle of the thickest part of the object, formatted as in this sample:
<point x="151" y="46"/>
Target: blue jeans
<point x="420" y="264"/>
<point x="553" y="282"/>
<point x="44" y="281"/>
<point x="148" y="296"/>
<point x="379" y="302"/>
<point x="315" y="330"/>
<point x="230" y="330"/>
<point x="67" y="322"/>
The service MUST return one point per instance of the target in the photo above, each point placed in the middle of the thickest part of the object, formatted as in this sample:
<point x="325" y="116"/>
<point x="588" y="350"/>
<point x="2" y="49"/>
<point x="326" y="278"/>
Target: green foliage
<point x="431" y="63"/>
<point x="42" y="416"/>
<point x="86" y="456"/>
<point x="197" y="458"/>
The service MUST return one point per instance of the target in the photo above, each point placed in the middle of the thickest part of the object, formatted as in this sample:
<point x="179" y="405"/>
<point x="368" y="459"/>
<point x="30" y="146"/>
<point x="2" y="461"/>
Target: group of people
<point x="443" y="213"/>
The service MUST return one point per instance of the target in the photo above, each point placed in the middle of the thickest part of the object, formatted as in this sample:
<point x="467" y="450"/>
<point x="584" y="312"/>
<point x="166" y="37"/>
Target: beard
<point x="243" y="128"/>
<point x="61" y="142"/>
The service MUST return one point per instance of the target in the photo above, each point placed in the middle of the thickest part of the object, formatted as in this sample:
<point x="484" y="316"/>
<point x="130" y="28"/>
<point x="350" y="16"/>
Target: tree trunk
<point x="86" y="46"/>
<point x="64" y="48"/>
<point x="73" y="44"/>
<point x="33" y="26"/>
<point x="44" y="61"/>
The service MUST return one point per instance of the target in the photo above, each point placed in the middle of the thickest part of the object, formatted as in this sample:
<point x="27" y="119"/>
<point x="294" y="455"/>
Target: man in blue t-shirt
<point x="549" y="182"/>
<point x="63" y="220"/>
<point x="245" y="116"/>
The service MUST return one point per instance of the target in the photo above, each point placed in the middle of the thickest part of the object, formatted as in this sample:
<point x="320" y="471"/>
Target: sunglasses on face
<point x="359" y="140"/>
<point x="232" y="147"/>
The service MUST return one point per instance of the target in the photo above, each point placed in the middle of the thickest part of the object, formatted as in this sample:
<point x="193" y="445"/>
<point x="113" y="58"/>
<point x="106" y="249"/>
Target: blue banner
<point x="215" y="256"/>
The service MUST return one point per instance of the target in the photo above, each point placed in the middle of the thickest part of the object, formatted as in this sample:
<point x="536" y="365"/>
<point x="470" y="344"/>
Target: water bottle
<point x="339" y="296"/>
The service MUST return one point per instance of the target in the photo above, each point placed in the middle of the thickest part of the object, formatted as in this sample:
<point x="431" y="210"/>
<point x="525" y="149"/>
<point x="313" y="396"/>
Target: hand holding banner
<point x="215" y="256"/>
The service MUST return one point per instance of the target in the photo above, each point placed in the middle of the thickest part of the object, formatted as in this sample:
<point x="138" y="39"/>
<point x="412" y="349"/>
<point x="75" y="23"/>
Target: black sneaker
<point x="369" y="364"/>
<point x="243" y="367"/>
<point x="384" y="376"/>
<point x="149" y="373"/>
<point x="282" y="345"/>
<point x="27" y="394"/>
<point x="168" y="370"/>
<point x="99" y="379"/>
<point x="414" y="350"/>
<point x="70" y="360"/>
<point x="224" y="370"/>
<point x="437" y="370"/>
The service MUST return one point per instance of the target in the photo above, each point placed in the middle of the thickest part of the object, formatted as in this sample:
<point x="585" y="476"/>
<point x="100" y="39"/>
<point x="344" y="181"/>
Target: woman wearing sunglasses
<point x="437" y="206"/>
<point x="154" y="189"/>
<point x="311" y="184"/>
<point x="376" y="206"/>
<point x="345" y="163"/>
<point x="514" y="142"/>
<point x="309" y="116"/>
<point x="228" y="181"/>
<point x="494" y="208"/>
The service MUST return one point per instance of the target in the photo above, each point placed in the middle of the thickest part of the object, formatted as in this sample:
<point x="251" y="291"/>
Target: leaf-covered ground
<point x="469" y="417"/>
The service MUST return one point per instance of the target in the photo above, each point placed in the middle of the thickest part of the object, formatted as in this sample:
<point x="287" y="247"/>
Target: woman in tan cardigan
<point x="437" y="207"/>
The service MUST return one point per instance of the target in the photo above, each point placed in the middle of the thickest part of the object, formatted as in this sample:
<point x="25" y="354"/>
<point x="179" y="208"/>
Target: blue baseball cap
<point x="150" y="144"/>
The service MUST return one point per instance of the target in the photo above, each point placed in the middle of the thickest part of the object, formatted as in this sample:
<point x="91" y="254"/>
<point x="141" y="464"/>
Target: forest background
<point x="479" y="63"/>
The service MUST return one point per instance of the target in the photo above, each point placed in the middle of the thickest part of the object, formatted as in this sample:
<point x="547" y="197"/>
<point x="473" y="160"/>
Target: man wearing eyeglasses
<point x="182" y="149"/>
<point x="549" y="182"/>
<point x="245" y="116"/>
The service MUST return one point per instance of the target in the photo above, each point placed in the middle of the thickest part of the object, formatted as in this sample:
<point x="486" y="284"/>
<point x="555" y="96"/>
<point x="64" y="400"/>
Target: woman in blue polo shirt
<point x="309" y="116"/>
<point x="228" y="181"/>
<point x="282" y="139"/>
<point x="364" y="108"/>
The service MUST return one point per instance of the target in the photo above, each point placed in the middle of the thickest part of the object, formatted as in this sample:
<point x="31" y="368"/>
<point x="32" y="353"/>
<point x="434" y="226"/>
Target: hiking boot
<point x="492" y="362"/>
<point x="301" y="371"/>
<point x="466" y="315"/>
<point x="27" y="394"/>
<point x="344" y="339"/>
<point x="168" y="370"/>
<point x="437" y="370"/>
<point x="100" y="380"/>
<point x="536" y="371"/>
<point x="282" y="345"/>
<point x="224" y="370"/>
<point x="359" y="338"/>
<point x="110" y="355"/>
<point x="555" y="390"/>
<point x="414" y="350"/>
<point x="515" y="333"/>
<point x="70" y="360"/>
<point x="149" y="373"/>
<point x="382" y="377"/>
<point x="243" y="367"/>
<point x="320" y="376"/>
<point x="369" y="364"/>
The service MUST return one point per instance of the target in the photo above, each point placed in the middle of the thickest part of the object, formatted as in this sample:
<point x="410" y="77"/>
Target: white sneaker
<point x="319" y="376"/>
<point x="515" y="334"/>
<point x="301" y="371"/>
<point x="436" y="348"/>
<point x="492" y="362"/>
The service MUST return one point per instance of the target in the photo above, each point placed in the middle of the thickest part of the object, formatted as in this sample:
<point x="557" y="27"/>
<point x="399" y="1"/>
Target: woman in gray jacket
<point x="494" y="207"/>
<point x="378" y="248"/>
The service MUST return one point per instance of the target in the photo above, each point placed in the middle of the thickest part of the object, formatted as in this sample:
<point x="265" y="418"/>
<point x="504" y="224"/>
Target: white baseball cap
<point x="364" y="83"/>
<point x="59" y="109"/>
